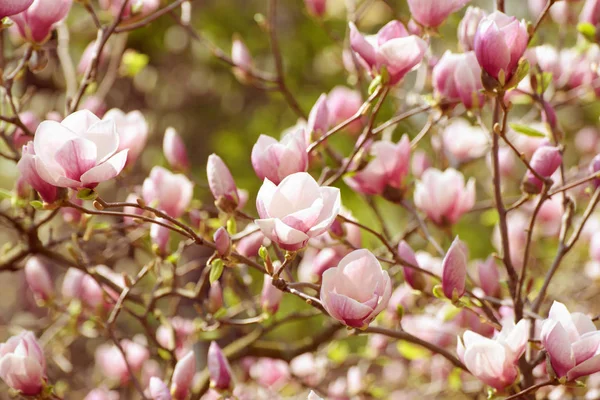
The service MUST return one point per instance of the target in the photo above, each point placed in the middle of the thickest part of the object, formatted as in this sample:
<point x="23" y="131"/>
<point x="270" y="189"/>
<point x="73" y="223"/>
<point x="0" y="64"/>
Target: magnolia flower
<point x="114" y="365"/>
<point x="8" y="8"/>
<point x="318" y="119"/>
<point x="79" y="152"/>
<point x="454" y="270"/>
<point x="271" y="296"/>
<point x="183" y="375"/>
<point x="463" y="142"/>
<point x="22" y="364"/>
<point x="275" y="160"/>
<point x="499" y="44"/>
<point x="392" y="48"/>
<point x="171" y="192"/>
<point x="468" y="27"/>
<point x="270" y="373"/>
<point x="31" y="122"/>
<point x="175" y="151"/>
<point x="357" y="290"/>
<point x="545" y="162"/>
<point x="78" y="285"/>
<point x="158" y="389"/>
<point x="38" y="278"/>
<point x="457" y="77"/>
<point x="218" y="368"/>
<point x="494" y="361"/>
<point x="133" y="132"/>
<point x="296" y="210"/>
<point x="414" y="278"/>
<point x="433" y="13"/>
<point x="443" y="196"/>
<point x="572" y="342"/>
<point x="387" y="169"/>
<point x="590" y="12"/>
<point x="177" y="336"/>
<point x="343" y="103"/>
<point x="29" y="173"/>
<point x="221" y="183"/>
<point x="37" y="21"/>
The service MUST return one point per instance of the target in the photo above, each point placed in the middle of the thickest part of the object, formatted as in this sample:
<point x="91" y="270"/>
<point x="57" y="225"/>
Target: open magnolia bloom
<point x="79" y="152"/>
<point x="572" y="342"/>
<point x="296" y="210"/>
<point x="494" y="361"/>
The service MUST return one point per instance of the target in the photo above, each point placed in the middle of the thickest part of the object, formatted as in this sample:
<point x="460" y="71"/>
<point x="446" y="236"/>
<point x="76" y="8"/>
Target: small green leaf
<point x="587" y="30"/>
<point x="263" y="252"/>
<point x="216" y="270"/>
<point x="221" y="312"/>
<point x="87" y="194"/>
<point x="522" y="71"/>
<point x="375" y="83"/>
<point x="546" y="80"/>
<point x="527" y="130"/>
<point x="231" y="226"/>
<point x="38" y="205"/>
<point x="438" y="292"/>
<point x="411" y="351"/>
<point x="133" y="63"/>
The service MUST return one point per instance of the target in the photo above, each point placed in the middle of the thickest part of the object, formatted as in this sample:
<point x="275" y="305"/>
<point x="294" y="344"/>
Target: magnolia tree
<point x="425" y="231"/>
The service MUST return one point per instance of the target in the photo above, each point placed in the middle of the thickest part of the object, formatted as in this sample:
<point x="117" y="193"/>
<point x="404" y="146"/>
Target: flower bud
<point x="158" y="390"/>
<point x="215" y="297"/>
<point x="545" y="162"/>
<point x="218" y="368"/>
<point x="590" y="12"/>
<point x="31" y="121"/>
<point x="221" y="184"/>
<point x="468" y="27"/>
<point x="420" y="163"/>
<point x="248" y="246"/>
<point x="175" y="151"/>
<point x="457" y="77"/>
<point x="489" y="277"/>
<point x="595" y="168"/>
<point x="316" y="7"/>
<point x="270" y="296"/>
<point x="432" y="13"/>
<point x="241" y="57"/>
<point x="171" y="193"/>
<point x="38" y="278"/>
<point x="37" y="21"/>
<point x="222" y="242"/>
<point x="342" y="104"/>
<point x="275" y="160"/>
<point x="414" y="278"/>
<point x="454" y="270"/>
<point x="22" y="364"/>
<point x="318" y="119"/>
<point x="183" y="375"/>
<point x="160" y="236"/>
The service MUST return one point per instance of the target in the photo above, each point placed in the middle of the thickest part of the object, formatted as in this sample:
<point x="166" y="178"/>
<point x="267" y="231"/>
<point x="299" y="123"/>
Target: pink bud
<point x="158" y="389"/>
<point x="221" y="183"/>
<point x="172" y="193"/>
<point x="133" y="132"/>
<point x="316" y="7"/>
<point x="590" y="12"/>
<point x="215" y="297"/>
<point x="8" y="8"/>
<point x="454" y="270"/>
<point x="549" y="115"/>
<point x="420" y="163"/>
<point x="432" y="13"/>
<point x="499" y="44"/>
<point x="222" y="242"/>
<point x="38" y="278"/>
<point x="175" y="151"/>
<point x="489" y="277"/>
<point x="342" y="104"/>
<point x="545" y="162"/>
<point x="595" y="168"/>
<point x="248" y="246"/>
<point x="160" y="236"/>
<point x="31" y="121"/>
<point x="275" y="160"/>
<point x="468" y="27"/>
<point x="218" y="368"/>
<point x="414" y="278"/>
<point x="241" y="57"/>
<point x="29" y="173"/>
<point x="318" y="119"/>
<point x="270" y="296"/>
<point x="457" y="77"/>
<point x="587" y="140"/>
<point x="22" y="364"/>
<point x="183" y="375"/>
<point x="36" y="23"/>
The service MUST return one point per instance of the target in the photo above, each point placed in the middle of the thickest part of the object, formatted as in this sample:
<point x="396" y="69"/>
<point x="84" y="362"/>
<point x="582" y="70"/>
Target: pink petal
<point x="105" y="171"/>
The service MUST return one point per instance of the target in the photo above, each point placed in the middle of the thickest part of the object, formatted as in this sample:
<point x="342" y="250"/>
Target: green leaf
<point x="438" y="292"/>
<point x="522" y="71"/>
<point x="221" y="312"/>
<point x="546" y="80"/>
<point x="587" y="30"/>
<point x="375" y="83"/>
<point x="489" y="217"/>
<point x="411" y="351"/>
<point x="231" y="226"/>
<point x="38" y="205"/>
<point x="527" y="130"/>
<point x="87" y="194"/>
<point x="133" y="63"/>
<point x="263" y="252"/>
<point x="216" y="270"/>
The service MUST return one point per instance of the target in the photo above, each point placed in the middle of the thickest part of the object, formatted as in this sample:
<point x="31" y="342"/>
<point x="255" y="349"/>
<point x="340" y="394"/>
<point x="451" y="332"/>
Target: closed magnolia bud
<point x="183" y="375"/>
<point x="37" y="21"/>
<point x="38" y="278"/>
<point x="175" y="151"/>
<point x="218" y="368"/>
<point x="489" y="277"/>
<point x="595" y="168"/>
<point x="414" y="278"/>
<point x="158" y="390"/>
<point x="420" y="163"/>
<point x="545" y="162"/>
<point x="248" y="246"/>
<point x="222" y="242"/>
<point x="241" y="57"/>
<point x="432" y="13"/>
<point x="454" y="270"/>
<point x="549" y="115"/>
<point x="271" y="296"/>
<point x="160" y="237"/>
<point x="22" y="364"/>
<point x="316" y="7"/>
<point x="590" y="12"/>
<point x="221" y="184"/>
<point x="318" y="119"/>
<point x="171" y="193"/>
<point x="468" y="27"/>
<point x="215" y="297"/>
<point x="457" y="77"/>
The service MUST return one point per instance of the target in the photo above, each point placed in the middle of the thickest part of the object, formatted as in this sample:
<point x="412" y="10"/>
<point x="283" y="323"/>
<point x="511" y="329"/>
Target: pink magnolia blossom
<point x="88" y="56"/>
<point x="572" y="342"/>
<point x="547" y="58"/>
<point x="392" y="48"/>
<point x="343" y="103"/>
<point x="357" y="290"/>
<point x="454" y="270"/>
<point x="590" y="12"/>
<point x="113" y="365"/>
<point x="318" y="119"/>
<point x="172" y="193"/>
<point x="420" y="163"/>
<point x="160" y="236"/>
<point x="443" y="196"/>
<point x="432" y="13"/>
<point x="37" y="21"/>
<point x="133" y="132"/>
<point x="249" y="245"/>
<point x="215" y="297"/>
<point x="221" y="183"/>
<point x="240" y="55"/>
<point x="158" y="389"/>
<point x="545" y="162"/>
<point x="386" y="172"/>
<point x="270" y="296"/>
<point x="218" y="368"/>
<point x="94" y="104"/>
<point x="499" y="44"/>
<point x="463" y="142"/>
<point x="494" y="361"/>
<point x="275" y="160"/>
<point x="457" y="77"/>
<point x="78" y="285"/>
<point x="414" y="278"/>
<point x="269" y="372"/>
<point x="133" y="7"/>
<point x="175" y="151"/>
<point x="296" y="210"/>
<point x="38" y="278"/>
<point x="22" y="364"/>
<point x="31" y="121"/>
<point x="12" y="7"/>
<point x="183" y="331"/>
<point x="79" y="152"/>
<point x="222" y="242"/>
<point x="184" y="372"/>
<point x="468" y="27"/>
<point x="313" y="396"/>
<point x="29" y="173"/>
